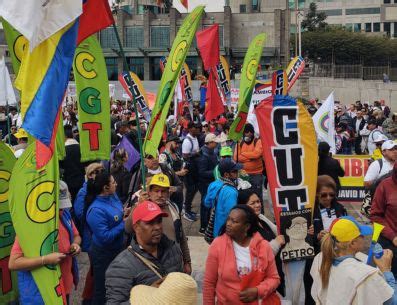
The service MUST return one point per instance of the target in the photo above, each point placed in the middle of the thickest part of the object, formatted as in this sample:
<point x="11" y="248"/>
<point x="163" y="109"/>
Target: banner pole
<point x="129" y="81"/>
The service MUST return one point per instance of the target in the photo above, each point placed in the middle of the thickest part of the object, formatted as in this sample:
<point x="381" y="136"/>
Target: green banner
<point x="247" y="82"/>
<point x="33" y="198"/>
<point x="60" y="139"/>
<point x="92" y="88"/>
<point x="8" y="279"/>
<point x="169" y="79"/>
<point x="16" y="43"/>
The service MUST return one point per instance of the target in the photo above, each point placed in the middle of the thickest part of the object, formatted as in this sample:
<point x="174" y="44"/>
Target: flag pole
<point x="129" y="82"/>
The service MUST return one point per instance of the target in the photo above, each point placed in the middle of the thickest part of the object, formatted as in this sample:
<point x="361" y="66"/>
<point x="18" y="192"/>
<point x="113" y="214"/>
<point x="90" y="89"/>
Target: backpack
<point x="209" y="230"/>
<point x="369" y="193"/>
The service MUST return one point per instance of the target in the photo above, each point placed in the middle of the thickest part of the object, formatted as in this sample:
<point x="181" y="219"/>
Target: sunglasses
<point x="325" y="195"/>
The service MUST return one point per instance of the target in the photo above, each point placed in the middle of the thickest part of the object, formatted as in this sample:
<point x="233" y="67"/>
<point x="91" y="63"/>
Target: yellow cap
<point x="346" y="229"/>
<point x="160" y="180"/>
<point x="21" y="133"/>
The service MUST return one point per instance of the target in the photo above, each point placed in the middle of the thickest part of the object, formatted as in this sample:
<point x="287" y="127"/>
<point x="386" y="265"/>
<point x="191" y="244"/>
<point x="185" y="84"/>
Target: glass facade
<point x="108" y="38"/>
<point x="363" y="11"/>
<point x="386" y="28"/>
<point x="159" y="36"/>
<point x="136" y="65"/>
<point x="368" y="27"/>
<point x="155" y="68"/>
<point x="357" y="27"/>
<point x="111" y="65"/>
<point x="376" y="26"/>
<point x="243" y="8"/>
<point x="336" y="12"/>
<point x="133" y="37"/>
<point x="192" y="64"/>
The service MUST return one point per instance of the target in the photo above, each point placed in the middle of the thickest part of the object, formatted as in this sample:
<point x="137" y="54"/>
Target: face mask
<point x="247" y="139"/>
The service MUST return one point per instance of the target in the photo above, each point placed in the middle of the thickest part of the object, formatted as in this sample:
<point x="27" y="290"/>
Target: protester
<point x="171" y="156"/>
<point x="176" y="289"/>
<point x="239" y="252"/>
<point x="266" y="228"/>
<point x="341" y="278"/>
<point x="22" y="138"/>
<point x="68" y="246"/>
<point x="222" y="193"/>
<point x="121" y="175"/>
<point x="326" y="209"/>
<point x="205" y="168"/>
<point x="149" y="258"/>
<point x="249" y="153"/>
<point x="371" y="131"/>
<point x="225" y="152"/>
<point x="73" y="169"/>
<point x="159" y="193"/>
<point x="383" y="211"/>
<point x="343" y="138"/>
<point x="105" y="218"/>
<point x="10" y="137"/>
<point x="389" y="127"/>
<point x="358" y="124"/>
<point x="191" y="154"/>
<point x="328" y="165"/>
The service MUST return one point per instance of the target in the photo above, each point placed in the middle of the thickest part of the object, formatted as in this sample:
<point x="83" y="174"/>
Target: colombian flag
<point x="42" y="80"/>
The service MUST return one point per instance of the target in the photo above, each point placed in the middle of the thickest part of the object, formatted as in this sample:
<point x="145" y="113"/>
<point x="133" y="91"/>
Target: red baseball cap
<point x="147" y="211"/>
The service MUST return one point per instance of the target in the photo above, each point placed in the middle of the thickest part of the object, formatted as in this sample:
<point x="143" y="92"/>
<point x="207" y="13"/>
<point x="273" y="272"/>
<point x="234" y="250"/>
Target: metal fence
<point x="353" y="71"/>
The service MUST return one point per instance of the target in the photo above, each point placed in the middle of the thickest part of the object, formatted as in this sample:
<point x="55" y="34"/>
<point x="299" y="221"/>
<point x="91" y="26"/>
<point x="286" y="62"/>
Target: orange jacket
<point x="250" y="155"/>
<point x="221" y="278"/>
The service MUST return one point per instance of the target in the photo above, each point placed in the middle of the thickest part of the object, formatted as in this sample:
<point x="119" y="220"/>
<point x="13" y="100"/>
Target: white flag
<point x="324" y="122"/>
<point x="37" y="20"/>
<point x="259" y="94"/>
<point x="7" y="95"/>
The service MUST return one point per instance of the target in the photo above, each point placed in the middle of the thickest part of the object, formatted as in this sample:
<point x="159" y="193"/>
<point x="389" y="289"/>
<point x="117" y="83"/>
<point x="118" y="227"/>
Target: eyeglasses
<point x="325" y="195"/>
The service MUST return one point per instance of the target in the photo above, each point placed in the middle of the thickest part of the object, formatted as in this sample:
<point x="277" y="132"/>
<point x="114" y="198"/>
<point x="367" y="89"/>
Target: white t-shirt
<point x="187" y="145"/>
<point x="243" y="259"/>
<point x="374" y="171"/>
<point x="371" y="144"/>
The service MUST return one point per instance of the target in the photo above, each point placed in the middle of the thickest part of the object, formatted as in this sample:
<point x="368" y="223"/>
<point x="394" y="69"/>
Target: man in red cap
<point x="149" y="258"/>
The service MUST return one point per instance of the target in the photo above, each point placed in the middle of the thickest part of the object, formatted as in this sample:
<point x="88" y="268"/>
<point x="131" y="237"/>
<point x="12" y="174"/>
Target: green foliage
<point x="314" y="21"/>
<point x="348" y="47"/>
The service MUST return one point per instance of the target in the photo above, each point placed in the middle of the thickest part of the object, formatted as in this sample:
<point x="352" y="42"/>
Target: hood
<point x="213" y="189"/>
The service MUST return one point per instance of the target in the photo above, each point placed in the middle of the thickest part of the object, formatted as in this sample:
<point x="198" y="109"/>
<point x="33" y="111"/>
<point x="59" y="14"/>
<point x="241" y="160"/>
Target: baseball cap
<point x="226" y="151"/>
<point x="160" y="180"/>
<point x="210" y="138"/>
<point x="64" y="198"/>
<point x="389" y="144"/>
<point x="346" y="228"/>
<point x="222" y="121"/>
<point x="175" y="139"/>
<point x="228" y="165"/>
<point x="147" y="211"/>
<point x="21" y="133"/>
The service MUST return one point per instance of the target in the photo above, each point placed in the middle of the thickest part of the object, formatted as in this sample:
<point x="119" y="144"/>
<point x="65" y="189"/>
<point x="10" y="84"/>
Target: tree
<point x="314" y="20"/>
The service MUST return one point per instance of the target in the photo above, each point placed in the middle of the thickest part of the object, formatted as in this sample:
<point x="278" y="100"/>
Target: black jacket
<point x="127" y="271"/>
<point x="206" y="164"/>
<point x="331" y="167"/>
<point x="74" y="170"/>
<point x="123" y="178"/>
<point x="360" y="127"/>
<point x="318" y="222"/>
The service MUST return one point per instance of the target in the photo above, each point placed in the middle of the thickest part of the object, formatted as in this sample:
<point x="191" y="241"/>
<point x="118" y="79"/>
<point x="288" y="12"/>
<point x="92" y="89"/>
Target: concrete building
<point x="369" y="16"/>
<point x="147" y="32"/>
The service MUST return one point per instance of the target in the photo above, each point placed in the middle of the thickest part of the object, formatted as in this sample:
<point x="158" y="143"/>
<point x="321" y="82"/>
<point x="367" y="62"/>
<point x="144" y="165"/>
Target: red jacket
<point x="221" y="278"/>
<point x="384" y="207"/>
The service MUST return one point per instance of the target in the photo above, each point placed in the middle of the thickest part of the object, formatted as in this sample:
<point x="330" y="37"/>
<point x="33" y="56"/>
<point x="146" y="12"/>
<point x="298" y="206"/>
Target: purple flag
<point x="133" y="154"/>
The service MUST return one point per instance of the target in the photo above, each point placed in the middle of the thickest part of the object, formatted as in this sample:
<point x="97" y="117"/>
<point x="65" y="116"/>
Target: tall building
<point x="148" y="30"/>
<point x="369" y="16"/>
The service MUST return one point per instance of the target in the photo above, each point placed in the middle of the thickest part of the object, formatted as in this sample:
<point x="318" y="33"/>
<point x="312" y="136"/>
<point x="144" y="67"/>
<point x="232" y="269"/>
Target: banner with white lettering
<point x="352" y="184"/>
<point x="291" y="159"/>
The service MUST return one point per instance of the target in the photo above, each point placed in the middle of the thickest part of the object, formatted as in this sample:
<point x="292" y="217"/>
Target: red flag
<point x="208" y="44"/>
<point x="214" y="105"/>
<point x="95" y="17"/>
<point x="184" y="3"/>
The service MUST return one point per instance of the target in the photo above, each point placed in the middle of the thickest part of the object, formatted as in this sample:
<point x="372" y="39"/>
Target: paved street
<point x="198" y="248"/>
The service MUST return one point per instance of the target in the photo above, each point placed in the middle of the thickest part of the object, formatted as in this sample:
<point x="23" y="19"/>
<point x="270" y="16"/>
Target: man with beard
<point x="149" y="258"/>
<point x="249" y="153"/>
<point x="171" y="156"/>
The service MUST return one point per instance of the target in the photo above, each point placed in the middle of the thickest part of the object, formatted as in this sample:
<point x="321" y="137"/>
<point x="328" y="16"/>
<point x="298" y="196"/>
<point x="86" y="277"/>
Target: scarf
<point x="228" y="181"/>
<point x="67" y="223"/>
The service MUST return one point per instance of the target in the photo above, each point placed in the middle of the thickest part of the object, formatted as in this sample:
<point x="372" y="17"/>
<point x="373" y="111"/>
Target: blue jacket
<point x="78" y="209"/>
<point x="206" y="164"/>
<point x="105" y="220"/>
<point x="28" y="292"/>
<point x="227" y="199"/>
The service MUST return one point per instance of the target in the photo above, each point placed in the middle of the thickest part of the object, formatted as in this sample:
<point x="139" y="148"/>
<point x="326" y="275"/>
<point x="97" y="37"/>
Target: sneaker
<point x="202" y="231"/>
<point x="189" y="216"/>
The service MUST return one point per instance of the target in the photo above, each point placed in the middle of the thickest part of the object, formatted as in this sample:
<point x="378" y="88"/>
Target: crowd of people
<point x="135" y="237"/>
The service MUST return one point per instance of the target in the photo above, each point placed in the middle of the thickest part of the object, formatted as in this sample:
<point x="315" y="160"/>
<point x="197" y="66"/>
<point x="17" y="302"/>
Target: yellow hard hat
<point x="21" y="133"/>
<point x="160" y="180"/>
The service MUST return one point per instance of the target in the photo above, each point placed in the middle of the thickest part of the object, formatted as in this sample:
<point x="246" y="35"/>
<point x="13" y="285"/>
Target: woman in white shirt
<point x="340" y="278"/>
